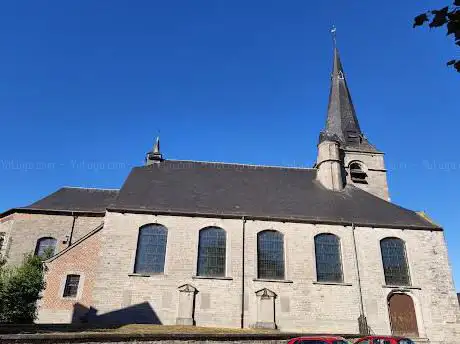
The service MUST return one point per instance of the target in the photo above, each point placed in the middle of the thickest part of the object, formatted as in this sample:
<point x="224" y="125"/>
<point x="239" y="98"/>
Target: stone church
<point x="316" y="250"/>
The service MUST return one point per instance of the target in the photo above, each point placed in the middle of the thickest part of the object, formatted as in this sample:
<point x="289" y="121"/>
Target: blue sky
<point x="85" y="86"/>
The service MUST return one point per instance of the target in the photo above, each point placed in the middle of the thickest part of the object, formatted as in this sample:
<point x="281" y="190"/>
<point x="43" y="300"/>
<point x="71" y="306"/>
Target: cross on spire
<point x="334" y="35"/>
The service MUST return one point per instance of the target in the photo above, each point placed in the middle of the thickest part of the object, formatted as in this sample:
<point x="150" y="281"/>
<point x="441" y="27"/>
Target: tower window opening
<point x="353" y="136"/>
<point x="357" y="174"/>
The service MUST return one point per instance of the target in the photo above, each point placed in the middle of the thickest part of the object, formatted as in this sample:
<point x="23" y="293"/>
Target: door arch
<point x="402" y="315"/>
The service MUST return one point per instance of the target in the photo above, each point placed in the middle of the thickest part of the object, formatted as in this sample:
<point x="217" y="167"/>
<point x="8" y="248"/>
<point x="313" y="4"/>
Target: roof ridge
<point x="242" y="164"/>
<point x="86" y="188"/>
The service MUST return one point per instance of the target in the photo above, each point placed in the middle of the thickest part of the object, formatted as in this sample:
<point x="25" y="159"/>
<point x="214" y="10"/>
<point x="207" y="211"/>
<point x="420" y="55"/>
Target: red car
<point x="318" y="340"/>
<point x="383" y="340"/>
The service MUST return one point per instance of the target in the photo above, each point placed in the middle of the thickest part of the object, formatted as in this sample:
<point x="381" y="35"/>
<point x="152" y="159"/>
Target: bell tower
<point x="154" y="156"/>
<point x="350" y="157"/>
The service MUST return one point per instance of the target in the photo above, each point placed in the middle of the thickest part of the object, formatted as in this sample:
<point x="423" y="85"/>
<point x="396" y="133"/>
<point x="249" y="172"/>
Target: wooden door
<point x="402" y="315"/>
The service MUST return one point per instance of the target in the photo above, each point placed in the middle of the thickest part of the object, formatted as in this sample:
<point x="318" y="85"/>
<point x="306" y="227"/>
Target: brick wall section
<point x="26" y="229"/>
<point x="81" y="260"/>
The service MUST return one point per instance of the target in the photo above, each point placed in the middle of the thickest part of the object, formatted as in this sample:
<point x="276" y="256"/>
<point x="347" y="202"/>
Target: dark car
<point x="318" y="340"/>
<point x="383" y="340"/>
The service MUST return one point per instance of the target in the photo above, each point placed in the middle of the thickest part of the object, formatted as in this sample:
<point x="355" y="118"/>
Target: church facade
<point x="317" y="250"/>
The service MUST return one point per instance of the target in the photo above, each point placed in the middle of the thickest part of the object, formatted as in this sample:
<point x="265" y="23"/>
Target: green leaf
<point x="20" y="289"/>
<point x="420" y="19"/>
<point x="454" y="15"/>
<point x="452" y="28"/>
<point x="440" y="17"/>
<point x="457" y="66"/>
<point x="457" y="35"/>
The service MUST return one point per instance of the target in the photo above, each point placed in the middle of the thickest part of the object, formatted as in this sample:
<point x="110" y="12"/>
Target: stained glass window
<point x="71" y="286"/>
<point x="211" y="252"/>
<point x="394" y="261"/>
<point x="151" y="249"/>
<point x="270" y="255"/>
<point x="328" y="260"/>
<point x="46" y="247"/>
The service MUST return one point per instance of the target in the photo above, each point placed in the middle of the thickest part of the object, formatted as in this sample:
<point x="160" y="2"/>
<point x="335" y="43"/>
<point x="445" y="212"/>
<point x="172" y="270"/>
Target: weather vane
<point x="333" y="33"/>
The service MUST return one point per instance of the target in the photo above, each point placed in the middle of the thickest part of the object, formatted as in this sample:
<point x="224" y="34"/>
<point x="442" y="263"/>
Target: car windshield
<point x="382" y="341"/>
<point x="405" y="341"/>
<point x="318" y="341"/>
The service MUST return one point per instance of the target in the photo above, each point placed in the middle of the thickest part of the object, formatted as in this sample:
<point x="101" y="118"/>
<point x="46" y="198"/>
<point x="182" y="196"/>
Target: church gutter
<point x="71" y="230"/>
<point x="275" y="219"/>
<point x="52" y="212"/>
<point x="243" y="271"/>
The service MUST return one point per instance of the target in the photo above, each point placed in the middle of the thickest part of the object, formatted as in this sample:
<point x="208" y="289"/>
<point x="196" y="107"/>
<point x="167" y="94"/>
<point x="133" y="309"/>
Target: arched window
<point x="328" y="260"/>
<point x="46" y="247"/>
<point x="394" y="261"/>
<point x="270" y="255"/>
<point x="151" y="249"/>
<point x="357" y="173"/>
<point x="211" y="252"/>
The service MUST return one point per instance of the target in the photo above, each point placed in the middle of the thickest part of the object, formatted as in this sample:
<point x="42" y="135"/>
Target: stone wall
<point x="374" y="166"/>
<point x="6" y="224"/>
<point x="301" y="303"/>
<point x="432" y="288"/>
<point x="24" y="230"/>
<point x="218" y="302"/>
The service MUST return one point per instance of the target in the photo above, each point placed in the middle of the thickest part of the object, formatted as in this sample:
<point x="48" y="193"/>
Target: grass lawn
<point x="168" y="329"/>
<point x="141" y="329"/>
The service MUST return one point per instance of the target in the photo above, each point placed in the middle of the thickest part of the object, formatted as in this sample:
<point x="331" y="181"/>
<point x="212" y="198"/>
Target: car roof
<point x="383" y="337"/>
<point x="325" y="337"/>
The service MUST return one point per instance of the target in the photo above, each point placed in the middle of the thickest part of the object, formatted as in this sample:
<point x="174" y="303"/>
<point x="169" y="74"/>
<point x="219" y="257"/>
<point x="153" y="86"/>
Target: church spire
<point x="155" y="155"/>
<point x="156" y="147"/>
<point x="342" y="124"/>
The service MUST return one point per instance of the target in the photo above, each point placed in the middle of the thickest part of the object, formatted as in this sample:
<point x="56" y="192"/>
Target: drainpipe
<point x="69" y="242"/>
<point x="362" y="321"/>
<point x="242" y="272"/>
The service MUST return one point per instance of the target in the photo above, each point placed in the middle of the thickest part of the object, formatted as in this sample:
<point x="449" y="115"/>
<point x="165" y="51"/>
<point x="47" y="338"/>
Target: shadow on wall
<point x="141" y="313"/>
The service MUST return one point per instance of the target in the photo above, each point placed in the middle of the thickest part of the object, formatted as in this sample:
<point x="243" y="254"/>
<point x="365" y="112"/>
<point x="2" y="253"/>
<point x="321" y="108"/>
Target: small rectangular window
<point x="71" y="286"/>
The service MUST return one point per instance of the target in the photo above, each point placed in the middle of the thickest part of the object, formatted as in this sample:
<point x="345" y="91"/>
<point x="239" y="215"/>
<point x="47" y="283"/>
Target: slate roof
<point x="259" y="192"/>
<point x="342" y="123"/>
<point x="68" y="199"/>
